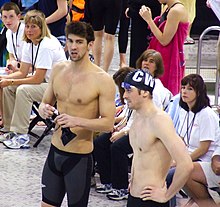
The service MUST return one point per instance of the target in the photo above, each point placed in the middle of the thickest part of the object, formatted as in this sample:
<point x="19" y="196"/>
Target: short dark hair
<point x="202" y="99"/>
<point x="119" y="77"/>
<point x="10" y="6"/>
<point x="157" y="58"/>
<point x="81" y="29"/>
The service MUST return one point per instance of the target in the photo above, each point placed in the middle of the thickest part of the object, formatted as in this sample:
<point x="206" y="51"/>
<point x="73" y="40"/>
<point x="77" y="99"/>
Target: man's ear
<point x="146" y="94"/>
<point x="90" y="45"/>
<point x="19" y="16"/>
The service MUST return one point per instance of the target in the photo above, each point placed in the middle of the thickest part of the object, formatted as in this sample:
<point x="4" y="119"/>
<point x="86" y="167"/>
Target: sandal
<point x="189" y="41"/>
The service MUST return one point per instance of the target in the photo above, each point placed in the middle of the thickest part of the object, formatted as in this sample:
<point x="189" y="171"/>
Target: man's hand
<point x="46" y="110"/>
<point x="216" y="164"/>
<point x="65" y="120"/>
<point x="154" y="193"/>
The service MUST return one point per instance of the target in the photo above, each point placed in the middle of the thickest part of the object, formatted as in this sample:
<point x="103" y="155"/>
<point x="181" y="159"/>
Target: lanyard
<point x="33" y="60"/>
<point x="15" y="45"/>
<point x="189" y="127"/>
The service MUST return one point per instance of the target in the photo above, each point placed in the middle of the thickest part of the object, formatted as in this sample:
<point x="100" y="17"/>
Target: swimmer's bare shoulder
<point x="103" y="79"/>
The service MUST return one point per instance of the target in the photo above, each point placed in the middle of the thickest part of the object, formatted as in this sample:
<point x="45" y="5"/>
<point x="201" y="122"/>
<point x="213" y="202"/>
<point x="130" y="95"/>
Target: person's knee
<point x="109" y="37"/>
<point x="99" y="34"/>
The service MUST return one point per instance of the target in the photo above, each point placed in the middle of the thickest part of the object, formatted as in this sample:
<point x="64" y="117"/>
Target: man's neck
<point x="15" y="29"/>
<point x="147" y="108"/>
<point x="81" y="65"/>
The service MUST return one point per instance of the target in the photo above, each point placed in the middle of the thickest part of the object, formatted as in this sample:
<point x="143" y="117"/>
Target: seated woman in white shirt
<point x="161" y="95"/>
<point x="199" y="124"/>
<point x="41" y="51"/>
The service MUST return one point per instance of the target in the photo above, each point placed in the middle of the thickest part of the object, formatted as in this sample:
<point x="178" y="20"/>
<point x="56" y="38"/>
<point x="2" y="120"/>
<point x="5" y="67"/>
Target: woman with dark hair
<point x="199" y="124"/>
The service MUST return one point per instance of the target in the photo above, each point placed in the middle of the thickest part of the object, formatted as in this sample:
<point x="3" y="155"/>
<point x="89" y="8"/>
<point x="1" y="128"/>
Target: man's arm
<point x="46" y="108"/>
<point x="164" y="130"/>
<point x="22" y="73"/>
<point x="61" y="11"/>
<point x="179" y="154"/>
<point x="37" y="78"/>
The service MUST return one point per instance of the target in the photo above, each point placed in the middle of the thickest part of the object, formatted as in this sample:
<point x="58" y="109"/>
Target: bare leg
<point x="122" y="60"/>
<point x="196" y="187"/>
<point x="108" y="50"/>
<point x="45" y="205"/>
<point x="97" y="47"/>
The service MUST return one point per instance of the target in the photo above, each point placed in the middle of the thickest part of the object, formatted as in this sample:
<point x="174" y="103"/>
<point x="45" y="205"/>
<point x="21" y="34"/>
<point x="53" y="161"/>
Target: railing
<point x="209" y="29"/>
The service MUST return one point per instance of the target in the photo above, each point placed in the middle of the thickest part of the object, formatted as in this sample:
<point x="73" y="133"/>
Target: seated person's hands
<point x="5" y="82"/>
<point x="115" y="136"/>
<point x="216" y="164"/>
<point x="12" y="67"/>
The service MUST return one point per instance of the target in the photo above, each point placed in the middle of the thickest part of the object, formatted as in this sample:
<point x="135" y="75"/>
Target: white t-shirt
<point x="50" y="52"/>
<point x="203" y="126"/>
<point x="161" y="95"/>
<point x="18" y="42"/>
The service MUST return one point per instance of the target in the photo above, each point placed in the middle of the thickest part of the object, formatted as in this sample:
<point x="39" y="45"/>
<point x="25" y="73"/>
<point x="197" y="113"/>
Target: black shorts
<point x="138" y="202"/>
<point x="66" y="173"/>
<point x="105" y="14"/>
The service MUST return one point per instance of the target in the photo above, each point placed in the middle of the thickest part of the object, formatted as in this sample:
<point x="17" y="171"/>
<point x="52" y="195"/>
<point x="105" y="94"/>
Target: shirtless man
<point x="155" y="144"/>
<point x="85" y="101"/>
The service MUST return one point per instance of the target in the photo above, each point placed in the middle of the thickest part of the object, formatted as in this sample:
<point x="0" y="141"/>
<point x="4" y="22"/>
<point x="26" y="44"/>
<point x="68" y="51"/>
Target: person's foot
<point x="93" y="182"/>
<point x="104" y="188"/>
<point x="189" y="41"/>
<point x="19" y="141"/>
<point x="118" y="195"/>
<point x="6" y="135"/>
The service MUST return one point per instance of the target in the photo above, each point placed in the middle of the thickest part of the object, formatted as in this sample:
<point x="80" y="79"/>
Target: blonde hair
<point x="38" y="18"/>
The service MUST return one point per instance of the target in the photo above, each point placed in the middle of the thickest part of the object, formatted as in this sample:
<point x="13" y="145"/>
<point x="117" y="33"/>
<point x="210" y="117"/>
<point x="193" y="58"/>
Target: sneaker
<point x="7" y="136"/>
<point x="18" y="142"/>
<point x="104" y="188"/>
<point x="118" y="195"/>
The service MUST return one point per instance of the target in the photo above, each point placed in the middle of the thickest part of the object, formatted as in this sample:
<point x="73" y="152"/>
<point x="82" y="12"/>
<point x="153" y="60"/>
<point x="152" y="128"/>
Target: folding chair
<point x="48" y="122"/>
